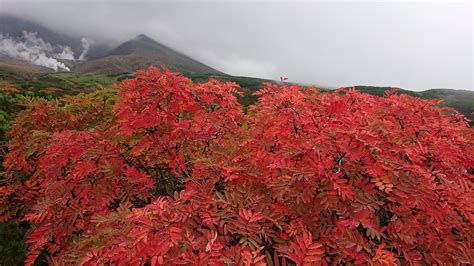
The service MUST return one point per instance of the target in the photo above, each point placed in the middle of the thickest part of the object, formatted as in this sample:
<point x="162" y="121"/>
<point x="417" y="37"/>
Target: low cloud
<point x="238" y="65"/>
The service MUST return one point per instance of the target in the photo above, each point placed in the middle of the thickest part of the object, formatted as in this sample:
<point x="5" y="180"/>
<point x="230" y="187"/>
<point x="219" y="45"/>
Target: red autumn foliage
<point x="173" y="172"/>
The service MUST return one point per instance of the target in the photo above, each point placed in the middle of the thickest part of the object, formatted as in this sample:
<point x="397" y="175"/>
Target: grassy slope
<point x="461" y="100"/>
<point x="60" y="82"/>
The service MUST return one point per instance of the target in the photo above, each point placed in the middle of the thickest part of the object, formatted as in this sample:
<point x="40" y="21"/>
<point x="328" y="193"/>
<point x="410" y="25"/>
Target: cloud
<point x="34" y="50"/>
<point x="238" y="65"/>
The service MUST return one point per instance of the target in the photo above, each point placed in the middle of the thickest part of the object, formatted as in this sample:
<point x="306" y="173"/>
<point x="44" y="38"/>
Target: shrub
<point x="171" y="171"/>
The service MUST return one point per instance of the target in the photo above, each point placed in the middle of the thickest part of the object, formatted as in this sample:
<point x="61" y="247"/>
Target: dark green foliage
<point x="461" y="100"/>
<point x="9" y="106"/>
<point x="12" y="243"/>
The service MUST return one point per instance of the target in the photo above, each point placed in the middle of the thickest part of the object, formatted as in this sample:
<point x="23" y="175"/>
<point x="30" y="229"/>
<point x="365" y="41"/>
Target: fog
<point x="413" y="45"/>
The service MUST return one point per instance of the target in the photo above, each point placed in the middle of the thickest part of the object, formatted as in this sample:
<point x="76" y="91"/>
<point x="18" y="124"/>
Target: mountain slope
<point x="141" y="52"/>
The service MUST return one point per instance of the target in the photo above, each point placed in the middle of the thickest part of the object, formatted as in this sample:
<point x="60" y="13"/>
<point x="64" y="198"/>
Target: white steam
<point x="34" y="50"/>
<point x="66" y="53"/>
<point x="85" y="48"/>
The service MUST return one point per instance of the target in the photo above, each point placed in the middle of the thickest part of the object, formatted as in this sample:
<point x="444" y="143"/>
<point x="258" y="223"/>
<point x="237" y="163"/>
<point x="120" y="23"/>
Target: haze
<point x="413" y="45"/>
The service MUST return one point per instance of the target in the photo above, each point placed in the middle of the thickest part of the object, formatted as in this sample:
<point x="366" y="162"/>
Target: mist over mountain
<point x="141" y="52"/>
<point x="15" y="27"/>
<point x="30" y="41"/>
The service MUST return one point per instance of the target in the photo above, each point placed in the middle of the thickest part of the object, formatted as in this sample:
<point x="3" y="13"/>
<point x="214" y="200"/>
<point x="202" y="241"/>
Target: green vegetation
<point x="248" y="85"/>
<point x="12" y="243"/>
<point x="81" y="80"/>
<point x="461" y="100"/>
<point x="56" y="83"/>
<point x="8" y="107"/>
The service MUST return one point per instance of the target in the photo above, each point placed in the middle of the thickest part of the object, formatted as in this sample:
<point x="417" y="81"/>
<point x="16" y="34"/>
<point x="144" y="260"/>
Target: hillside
<point x="461" y="100"/>
<point x="51" y="83"/>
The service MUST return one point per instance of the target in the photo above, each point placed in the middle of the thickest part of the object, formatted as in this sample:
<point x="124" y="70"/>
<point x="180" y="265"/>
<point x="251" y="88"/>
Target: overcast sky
<point x="413" y="45"/>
